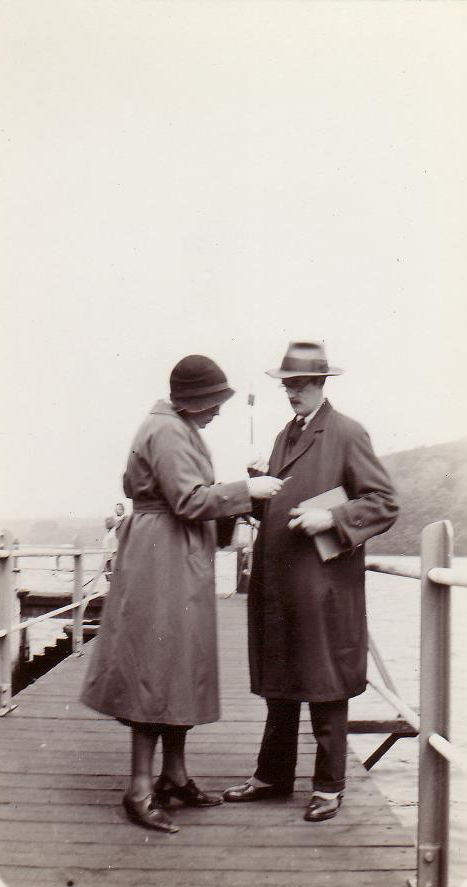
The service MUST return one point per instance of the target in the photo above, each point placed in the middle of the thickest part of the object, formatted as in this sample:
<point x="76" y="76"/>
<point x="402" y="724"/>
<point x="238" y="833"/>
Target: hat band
<point x="185" y="390"/>
<point x="304" y="365"/>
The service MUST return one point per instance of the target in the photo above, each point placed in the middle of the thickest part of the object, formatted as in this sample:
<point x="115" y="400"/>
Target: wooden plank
<point x="358" y="791"/>
<point x="36" y="733"/>
<point x="76" y="712"/>
<point x="105" y="806"/>
<point x="168" y="853"/>
<point x="226" y="767"/>
<point x="297" y="834"/>
<point x="93" y="743"/>
<point x="241" y="730"/>
<point x="84" y="877"/>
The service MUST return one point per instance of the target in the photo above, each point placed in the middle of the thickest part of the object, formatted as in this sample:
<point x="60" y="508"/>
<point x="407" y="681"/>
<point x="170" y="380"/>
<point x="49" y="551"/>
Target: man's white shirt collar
<point x="307" y="419"/>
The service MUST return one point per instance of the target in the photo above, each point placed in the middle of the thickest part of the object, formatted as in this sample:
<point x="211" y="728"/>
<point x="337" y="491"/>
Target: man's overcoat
<point x="307" y="619"/>
<point x="156" y="654"/>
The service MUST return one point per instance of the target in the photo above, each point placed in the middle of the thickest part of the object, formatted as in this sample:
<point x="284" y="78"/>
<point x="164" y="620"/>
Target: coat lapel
<point x="306" y="440"/>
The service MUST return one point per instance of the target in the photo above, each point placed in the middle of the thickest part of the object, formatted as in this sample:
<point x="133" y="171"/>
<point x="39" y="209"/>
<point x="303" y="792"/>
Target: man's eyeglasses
<point x="296" y="384"/>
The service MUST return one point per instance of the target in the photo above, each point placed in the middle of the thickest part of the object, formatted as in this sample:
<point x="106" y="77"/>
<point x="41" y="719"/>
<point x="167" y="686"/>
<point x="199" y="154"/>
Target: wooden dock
<point x="63" y="770"/>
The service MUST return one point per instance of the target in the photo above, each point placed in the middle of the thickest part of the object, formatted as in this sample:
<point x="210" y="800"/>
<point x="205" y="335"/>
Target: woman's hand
<point x="264" y="487"/>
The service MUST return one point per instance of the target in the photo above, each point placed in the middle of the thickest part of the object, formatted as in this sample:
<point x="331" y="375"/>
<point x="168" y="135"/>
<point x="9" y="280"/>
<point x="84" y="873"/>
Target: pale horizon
<point x="223" y="178"/>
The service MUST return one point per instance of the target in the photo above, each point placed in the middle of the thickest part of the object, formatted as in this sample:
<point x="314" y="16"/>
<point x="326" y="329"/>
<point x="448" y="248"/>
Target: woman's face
<point x="204" y="417"/>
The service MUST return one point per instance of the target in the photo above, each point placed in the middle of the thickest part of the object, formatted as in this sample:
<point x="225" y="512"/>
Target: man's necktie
<point x="295" y="431"/>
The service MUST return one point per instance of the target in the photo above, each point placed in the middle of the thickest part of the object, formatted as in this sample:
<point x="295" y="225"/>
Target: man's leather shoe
<point x="322" y="808"/>
<point x="249" y="792"/>
<point x="148" y="814"/>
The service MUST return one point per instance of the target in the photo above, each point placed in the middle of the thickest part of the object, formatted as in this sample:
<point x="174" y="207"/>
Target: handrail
<point x="9" y="553"/>
<point x="448" y="576"/>
<point x="448" y="751"/>
<point x="47" y="551"/>
<point x="51" y="614"/>
<point x="401" y="707"/>
<point x="436" y="574"/>
<point x="376" y="566"/>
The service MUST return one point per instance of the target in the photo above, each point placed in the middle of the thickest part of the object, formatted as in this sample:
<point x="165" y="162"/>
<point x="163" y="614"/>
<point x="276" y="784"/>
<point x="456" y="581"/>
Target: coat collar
<point x="307" y="437"/>
<point x="166" y="408"/>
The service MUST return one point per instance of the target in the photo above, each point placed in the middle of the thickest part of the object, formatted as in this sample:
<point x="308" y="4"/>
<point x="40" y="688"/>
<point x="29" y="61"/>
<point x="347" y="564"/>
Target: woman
<point x="155" y="663"/>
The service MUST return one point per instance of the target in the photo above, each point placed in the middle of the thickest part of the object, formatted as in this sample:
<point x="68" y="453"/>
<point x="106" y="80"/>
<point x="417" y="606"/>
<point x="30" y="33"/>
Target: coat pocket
<point x="200" y="551"/>
<point x="193" y="537"/>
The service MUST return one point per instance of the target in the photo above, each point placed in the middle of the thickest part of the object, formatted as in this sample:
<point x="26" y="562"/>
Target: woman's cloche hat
<point x="197" y="383"/>
<point x="304" y="359"/>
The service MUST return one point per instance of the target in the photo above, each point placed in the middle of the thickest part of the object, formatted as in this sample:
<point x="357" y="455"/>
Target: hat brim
<point x="203" y="401"/>
<point x="292" y="374"/>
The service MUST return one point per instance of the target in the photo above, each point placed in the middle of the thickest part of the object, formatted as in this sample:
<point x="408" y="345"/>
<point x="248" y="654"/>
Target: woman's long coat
<point x="156" y="654"/>
<point x="307" y="619"/>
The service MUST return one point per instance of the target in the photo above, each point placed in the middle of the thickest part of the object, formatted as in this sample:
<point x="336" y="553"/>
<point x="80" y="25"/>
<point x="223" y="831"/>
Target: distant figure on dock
<point x="110" y="540"/>
<point x="155" y="663"/>
<point x="119" y="512"/>
<point x="110" y="544"/>
<point x="307" y="620"/>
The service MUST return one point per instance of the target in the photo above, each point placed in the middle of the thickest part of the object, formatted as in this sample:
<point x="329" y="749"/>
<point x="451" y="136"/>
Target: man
<point x="306" y="617"/>
<point x="119" y="512"/>
<point x="110" y="541"/>
<point x="110" y="545"/>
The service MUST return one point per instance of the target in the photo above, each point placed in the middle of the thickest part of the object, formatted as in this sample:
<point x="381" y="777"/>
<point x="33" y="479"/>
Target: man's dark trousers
<point x="277" y="758"/>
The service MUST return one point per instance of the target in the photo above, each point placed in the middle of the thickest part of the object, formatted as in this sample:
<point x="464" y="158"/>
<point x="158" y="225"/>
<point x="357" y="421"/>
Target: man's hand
<point x="310" y="520"/>
<point x="252" y="521"/>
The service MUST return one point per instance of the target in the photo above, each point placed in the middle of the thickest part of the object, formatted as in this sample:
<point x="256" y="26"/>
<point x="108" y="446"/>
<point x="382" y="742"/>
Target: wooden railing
<point x="9" y="555"/>
<point x="436" y="752"/>
<point x="431" y="725"/>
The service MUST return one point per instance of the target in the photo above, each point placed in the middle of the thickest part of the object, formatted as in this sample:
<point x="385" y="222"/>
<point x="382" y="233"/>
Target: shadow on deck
<point x="63" y="770"/>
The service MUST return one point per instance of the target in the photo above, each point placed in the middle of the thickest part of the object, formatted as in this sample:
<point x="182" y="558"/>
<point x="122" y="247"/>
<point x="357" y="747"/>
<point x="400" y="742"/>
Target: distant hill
<point x="431" y="483"/>
<point x="58" y="531"/>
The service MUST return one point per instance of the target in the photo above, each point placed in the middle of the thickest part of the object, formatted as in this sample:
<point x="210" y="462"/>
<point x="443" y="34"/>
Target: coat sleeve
<point x="182" y="484"/>
<point x="373" y="507"/>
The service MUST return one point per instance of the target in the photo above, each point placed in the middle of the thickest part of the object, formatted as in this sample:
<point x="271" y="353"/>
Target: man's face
<point x="304" y="395"/>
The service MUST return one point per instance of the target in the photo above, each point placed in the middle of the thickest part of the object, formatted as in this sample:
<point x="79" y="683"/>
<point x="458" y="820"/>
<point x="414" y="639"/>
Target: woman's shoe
<point x="189" y="794"/>
<point x="148" y="814"/>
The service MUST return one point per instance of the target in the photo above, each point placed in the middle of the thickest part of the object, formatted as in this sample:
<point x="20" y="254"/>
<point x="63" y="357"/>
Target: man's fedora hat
<point x="197" y="383"/>
<point x="304" y="359"/>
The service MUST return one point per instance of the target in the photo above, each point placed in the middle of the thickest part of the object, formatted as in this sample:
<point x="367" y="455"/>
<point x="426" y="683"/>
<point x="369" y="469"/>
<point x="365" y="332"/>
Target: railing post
<point x="77" y="636"/>
<point x="15" y="568"/>
<point x="433" y="779"/>
<point x="6" y="610"/>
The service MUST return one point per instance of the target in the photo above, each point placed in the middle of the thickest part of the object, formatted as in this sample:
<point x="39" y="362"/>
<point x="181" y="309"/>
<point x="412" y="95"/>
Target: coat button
<point x="225" y="498"/>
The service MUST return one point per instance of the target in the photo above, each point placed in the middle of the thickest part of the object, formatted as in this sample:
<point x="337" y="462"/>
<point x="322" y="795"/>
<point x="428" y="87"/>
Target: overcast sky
<point x="221" y="178"/>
